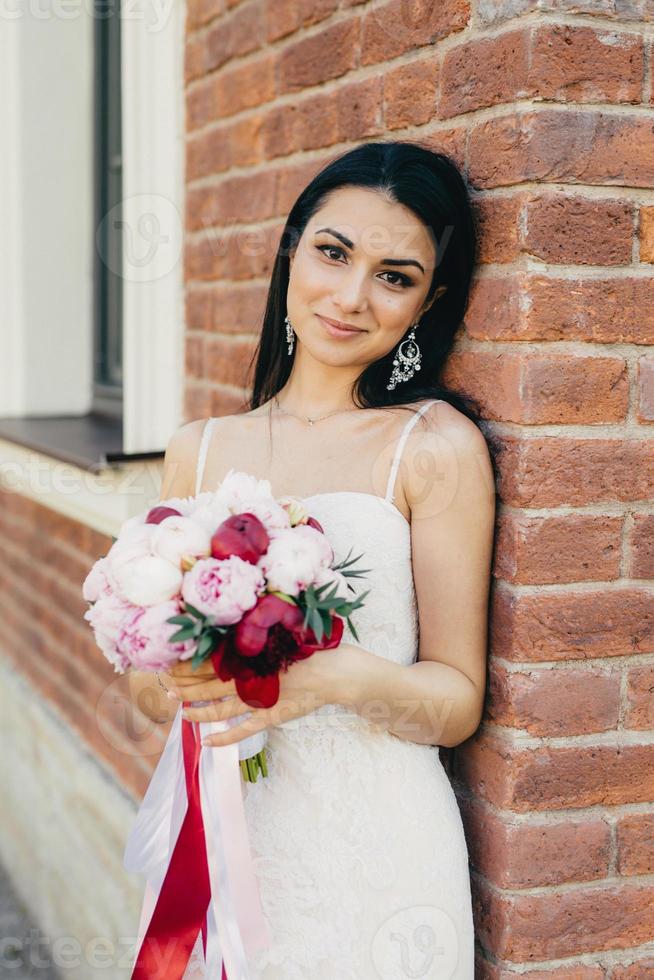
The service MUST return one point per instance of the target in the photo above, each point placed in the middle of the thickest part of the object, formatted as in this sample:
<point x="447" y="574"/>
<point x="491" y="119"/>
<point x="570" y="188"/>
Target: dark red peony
<point x="242" y="535"/>
<point x="269" y="638"/>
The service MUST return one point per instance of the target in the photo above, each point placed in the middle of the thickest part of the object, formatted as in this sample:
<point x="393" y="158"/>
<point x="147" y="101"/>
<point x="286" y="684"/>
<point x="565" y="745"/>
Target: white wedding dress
<point x="356" y="835"/>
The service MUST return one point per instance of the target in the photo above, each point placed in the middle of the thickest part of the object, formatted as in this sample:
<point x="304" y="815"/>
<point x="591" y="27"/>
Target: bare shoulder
<point x="180" y="460"/>
<point x="448" y="465"/>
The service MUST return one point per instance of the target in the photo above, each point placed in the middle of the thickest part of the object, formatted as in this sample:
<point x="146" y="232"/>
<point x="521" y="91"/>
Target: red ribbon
<point x="181" y="909"/>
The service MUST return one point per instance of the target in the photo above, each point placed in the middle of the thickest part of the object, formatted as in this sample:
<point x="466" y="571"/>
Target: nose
<point x="352" y="294"/>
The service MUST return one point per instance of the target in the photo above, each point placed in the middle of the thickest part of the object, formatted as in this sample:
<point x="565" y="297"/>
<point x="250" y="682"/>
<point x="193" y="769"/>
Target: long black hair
<point x="432" y="187"/>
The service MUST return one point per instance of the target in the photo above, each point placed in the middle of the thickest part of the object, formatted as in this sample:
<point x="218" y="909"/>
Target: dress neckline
<point x="360" y="493"/>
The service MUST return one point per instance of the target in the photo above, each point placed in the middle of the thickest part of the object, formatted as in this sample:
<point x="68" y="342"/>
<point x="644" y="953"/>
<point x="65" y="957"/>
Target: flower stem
<point x="250" y="768"/>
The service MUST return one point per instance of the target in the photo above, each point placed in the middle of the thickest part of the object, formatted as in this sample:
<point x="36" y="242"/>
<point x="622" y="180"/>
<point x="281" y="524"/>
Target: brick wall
<point x="547" y="105"/>
<point x="44" y="558"/>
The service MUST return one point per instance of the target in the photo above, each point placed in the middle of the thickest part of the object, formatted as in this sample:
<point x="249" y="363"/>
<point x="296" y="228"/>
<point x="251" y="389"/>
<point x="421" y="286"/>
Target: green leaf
<point x="181" y="636"/>
<point x="354" y="632"/>
<point x="192" y="609"/>
<point x="182" y="620"/>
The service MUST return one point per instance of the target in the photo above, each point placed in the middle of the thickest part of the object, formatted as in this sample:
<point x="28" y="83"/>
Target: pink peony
<point x="243" y="493"/>
<point x="143" y="639"/>
<point x="107" y="616"/>
<point x="99" y="582"/>
<point x="223" y="588"/>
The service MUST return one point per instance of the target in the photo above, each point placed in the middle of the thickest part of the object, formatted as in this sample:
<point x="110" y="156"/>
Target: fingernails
<point x="172" y="696"/>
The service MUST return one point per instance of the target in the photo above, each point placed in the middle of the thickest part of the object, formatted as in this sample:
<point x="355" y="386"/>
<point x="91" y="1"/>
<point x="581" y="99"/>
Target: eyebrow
<point x="349" y="244"/>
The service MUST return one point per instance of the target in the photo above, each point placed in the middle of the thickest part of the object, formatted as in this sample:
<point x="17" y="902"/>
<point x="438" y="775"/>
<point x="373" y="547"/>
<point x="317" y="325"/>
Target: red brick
<point x="641" y="547"/>
<point x="557" y="924"/>
<point x="639" y="707"/>
<point x="534" y="307"/>
<point x="236" y="144"/>
<point x="397" y="27"/>
<point x="645" y="380"/>
<point x="231" y="91"/>
<point x="243" y="253"/>
<point x="557" y="549"/>
<point x="194" y="54"/>
<point x="541" y="779"/>
<point x="635" y="842"/>
<point x="285" y="17"/>
<point x="646" y="234"/>
<point x="593" y="147"/>
<point x="201" y="12"/>
<point x="410" y="93"/>
<point x="240" y="32"/>
<point x="224" y="309"/>
<point x="571" y="625"/>
<point x="485" y="72"/>
<point x="228" y="360"/>
<point x="534" y="852"/>
<point x="534" y="388"/>
<point x="315" y="122"/>
<point x="553" y="703"/>
<point x="194" y="356"/>
<point x="197" y="402"/>
<point x="359" y="109"/>
<point x="558" y="471"/>
<point x="571" y="229"/>
<point x="320" y="57"/>
<point x="498" y="223"/>
<point x="582" y="64"/>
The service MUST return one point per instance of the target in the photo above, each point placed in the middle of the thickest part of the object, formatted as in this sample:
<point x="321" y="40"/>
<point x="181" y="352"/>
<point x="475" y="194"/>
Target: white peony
<point x="294" y="559"/>
<point x="148" y="580"/>
<point x="179" y="536"/>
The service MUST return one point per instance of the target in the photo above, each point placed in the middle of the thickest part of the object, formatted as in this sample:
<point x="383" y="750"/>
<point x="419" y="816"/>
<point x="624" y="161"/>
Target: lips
<point x="337" y="326"/>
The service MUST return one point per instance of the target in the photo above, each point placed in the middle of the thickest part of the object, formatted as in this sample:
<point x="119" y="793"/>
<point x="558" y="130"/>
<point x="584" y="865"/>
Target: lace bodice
<point x="329" y="826"/>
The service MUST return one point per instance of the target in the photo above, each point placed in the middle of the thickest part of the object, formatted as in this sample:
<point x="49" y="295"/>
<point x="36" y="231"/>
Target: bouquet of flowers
<point x="232" y="574"/>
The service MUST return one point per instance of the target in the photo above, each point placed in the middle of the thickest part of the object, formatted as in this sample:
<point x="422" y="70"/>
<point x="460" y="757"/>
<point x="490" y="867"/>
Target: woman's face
<point x="361" y="261"/>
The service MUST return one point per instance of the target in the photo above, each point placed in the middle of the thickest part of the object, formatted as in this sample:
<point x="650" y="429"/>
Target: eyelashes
<point x="403" y="281"/>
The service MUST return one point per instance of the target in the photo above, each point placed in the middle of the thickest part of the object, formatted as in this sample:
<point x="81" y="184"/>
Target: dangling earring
<point x="406" y="361"/>
<point x="290" y="336"/>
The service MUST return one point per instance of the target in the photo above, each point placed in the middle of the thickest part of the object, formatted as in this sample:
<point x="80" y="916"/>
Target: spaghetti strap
<point x="202" y="454"/>
<point x="390" y="496"/>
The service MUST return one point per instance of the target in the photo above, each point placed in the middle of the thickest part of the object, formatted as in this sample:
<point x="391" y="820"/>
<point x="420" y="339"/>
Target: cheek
<point x="310" y="275"/>
<point x="393" y="310"/>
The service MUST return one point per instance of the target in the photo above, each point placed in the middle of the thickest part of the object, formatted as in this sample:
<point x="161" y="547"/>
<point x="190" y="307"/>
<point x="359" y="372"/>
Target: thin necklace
<point x="306" y="418"/>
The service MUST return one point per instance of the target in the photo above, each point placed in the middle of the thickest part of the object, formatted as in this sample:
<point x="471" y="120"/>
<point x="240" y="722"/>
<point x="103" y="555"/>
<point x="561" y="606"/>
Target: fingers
<point x="257" y="721"/>
<point x="231" y="707"/>
<point x="183" y="670"/>
<point x="201" y="690"/>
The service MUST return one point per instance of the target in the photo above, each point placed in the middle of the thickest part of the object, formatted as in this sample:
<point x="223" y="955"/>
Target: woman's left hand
<point x="307" y="685"/>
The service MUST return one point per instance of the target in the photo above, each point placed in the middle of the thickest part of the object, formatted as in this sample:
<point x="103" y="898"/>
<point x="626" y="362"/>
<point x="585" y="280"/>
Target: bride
<point x="355" y="834"/>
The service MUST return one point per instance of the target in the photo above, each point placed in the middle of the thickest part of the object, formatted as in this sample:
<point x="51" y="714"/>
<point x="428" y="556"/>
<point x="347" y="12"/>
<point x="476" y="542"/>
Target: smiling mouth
<point x="337" y="330"/>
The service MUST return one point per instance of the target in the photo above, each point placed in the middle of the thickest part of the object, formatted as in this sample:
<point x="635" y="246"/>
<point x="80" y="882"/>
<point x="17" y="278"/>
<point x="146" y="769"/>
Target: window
<point x="107" y="379"/>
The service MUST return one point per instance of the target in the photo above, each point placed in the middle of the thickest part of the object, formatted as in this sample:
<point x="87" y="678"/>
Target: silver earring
<point x="290" y="336"/>
<point x="406" y="360"/>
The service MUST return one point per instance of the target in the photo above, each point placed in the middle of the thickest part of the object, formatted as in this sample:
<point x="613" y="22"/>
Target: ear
<point x="437" y="295"/>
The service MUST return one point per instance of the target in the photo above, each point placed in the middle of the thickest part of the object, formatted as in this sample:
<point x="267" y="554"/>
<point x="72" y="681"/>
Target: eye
<point x="329" y="248"/>
<point x="402" y="280"/>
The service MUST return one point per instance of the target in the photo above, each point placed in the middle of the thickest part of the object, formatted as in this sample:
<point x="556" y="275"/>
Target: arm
<point x="178" y="480"/>
<point x="449" y="485"/>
